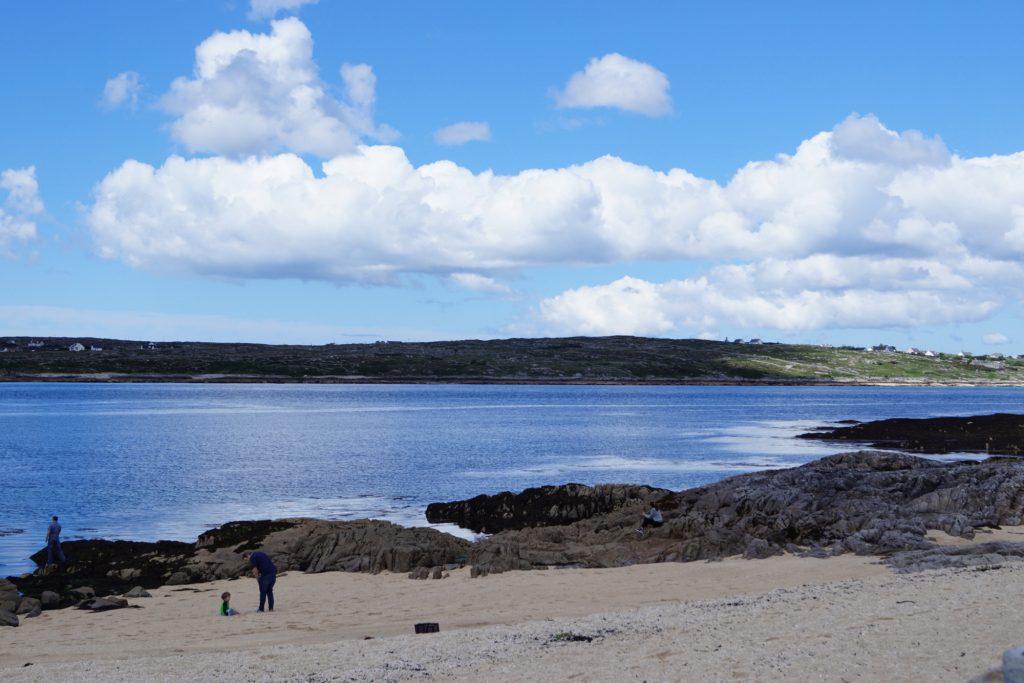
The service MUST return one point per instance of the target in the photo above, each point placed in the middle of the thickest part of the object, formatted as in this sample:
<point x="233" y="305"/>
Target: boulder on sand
<point x="10" y="598"/>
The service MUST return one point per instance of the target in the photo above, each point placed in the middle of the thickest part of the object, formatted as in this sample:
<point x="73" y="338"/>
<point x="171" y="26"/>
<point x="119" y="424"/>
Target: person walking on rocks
<point x="53" y="549"/>
<point x="265" y="571"/>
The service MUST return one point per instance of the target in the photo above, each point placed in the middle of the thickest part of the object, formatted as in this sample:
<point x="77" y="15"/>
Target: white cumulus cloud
<point x="123" y="89"/>
<point x="463" y="132"/>
<point x="633" y="306"/>
<point x="259" y="93"/>
<point x="876" y="229"/>
<point x="864" y="138"/>
<point x="619" y="82"/>
<point x="21" y="206"/>
<point x="996" y="338"/>
<point x="265" y="9"/>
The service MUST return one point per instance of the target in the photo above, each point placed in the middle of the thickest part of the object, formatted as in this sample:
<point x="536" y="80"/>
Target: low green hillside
<point x="574" y="359"/>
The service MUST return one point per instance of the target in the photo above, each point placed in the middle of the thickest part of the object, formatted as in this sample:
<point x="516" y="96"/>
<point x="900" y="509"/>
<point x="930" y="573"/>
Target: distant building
<point x="35" y="344"/>
<point x="76" y="347"/>
<point x="95" y="348"/>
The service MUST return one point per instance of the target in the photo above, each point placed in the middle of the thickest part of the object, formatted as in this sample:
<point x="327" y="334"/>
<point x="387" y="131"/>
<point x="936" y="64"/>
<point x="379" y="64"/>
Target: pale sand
<point x="781" y="619"/>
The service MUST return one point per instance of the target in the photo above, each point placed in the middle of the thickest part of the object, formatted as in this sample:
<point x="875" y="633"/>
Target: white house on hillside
<point x="76" y="347"/>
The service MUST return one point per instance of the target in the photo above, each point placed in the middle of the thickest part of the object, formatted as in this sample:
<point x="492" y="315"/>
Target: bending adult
<point x="265" y="571"/>
<point x="53" y="549"/>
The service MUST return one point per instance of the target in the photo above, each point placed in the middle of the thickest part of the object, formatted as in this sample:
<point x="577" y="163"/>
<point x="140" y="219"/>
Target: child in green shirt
<point x="226" y="610"/>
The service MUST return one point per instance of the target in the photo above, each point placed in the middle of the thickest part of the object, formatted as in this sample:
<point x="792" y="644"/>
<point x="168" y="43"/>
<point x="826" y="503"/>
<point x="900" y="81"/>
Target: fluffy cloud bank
<point x="259" y="93"/>
<point x="618" y="82"/>
<point x="21" y="206"/>
<point x="861" y="226"/>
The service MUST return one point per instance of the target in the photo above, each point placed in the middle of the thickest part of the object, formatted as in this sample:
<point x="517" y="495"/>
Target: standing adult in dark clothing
<point x="53" y="549"/>
<point x="266" y="576"/>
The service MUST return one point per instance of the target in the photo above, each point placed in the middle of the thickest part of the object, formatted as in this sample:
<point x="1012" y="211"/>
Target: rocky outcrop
<point x="105" y="568"/>
<point x="311" y="545"/>
<point x="866" y="502"/>
<point x="996" y="434"/>
<point x="543" y="506"/>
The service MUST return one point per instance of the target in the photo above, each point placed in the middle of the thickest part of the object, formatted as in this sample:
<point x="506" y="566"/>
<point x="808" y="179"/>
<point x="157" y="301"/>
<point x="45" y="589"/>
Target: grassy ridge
<point x="572" y="359"/>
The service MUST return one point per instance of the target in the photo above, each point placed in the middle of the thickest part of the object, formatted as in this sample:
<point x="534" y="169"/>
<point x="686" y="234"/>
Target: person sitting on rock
<point x="651" y="518"/>
<point x="226" y="610"/>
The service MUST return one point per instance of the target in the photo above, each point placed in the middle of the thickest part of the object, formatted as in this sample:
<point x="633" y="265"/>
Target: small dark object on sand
<point x="428" y="627"/>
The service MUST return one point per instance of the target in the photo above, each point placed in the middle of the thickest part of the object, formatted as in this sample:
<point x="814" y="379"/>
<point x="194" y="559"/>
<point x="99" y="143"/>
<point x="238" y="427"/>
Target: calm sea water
<point x="167" y="461"/>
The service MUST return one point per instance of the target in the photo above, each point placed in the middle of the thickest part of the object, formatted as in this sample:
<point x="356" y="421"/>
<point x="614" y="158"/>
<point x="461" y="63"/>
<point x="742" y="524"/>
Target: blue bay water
<point x="168" y="461"/>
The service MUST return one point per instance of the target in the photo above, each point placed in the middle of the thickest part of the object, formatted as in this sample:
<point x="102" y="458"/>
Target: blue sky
<point x="309" y="172"/>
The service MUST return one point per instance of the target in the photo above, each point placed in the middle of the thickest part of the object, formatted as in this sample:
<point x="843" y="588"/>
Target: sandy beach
<point x="785" y="618"/>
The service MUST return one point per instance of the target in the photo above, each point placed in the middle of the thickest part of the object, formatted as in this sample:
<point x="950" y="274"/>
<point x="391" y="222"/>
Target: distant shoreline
<point x="176" y="378"/>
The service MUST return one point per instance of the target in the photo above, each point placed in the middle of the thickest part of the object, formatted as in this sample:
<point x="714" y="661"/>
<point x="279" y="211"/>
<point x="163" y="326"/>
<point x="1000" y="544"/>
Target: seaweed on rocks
<point x="996" y="434"/>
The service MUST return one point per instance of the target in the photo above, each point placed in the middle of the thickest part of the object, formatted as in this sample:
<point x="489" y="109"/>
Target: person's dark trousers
<point x="266" y="583"/>
<point x="53" y="550"/>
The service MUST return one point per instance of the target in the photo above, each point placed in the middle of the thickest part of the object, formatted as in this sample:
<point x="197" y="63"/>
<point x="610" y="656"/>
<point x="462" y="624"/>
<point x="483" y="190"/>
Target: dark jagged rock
<point x="996" y="434"/>
<point x="242" y="536"/>
<point x="868" y="502"/>
<point x="106" y="567"/>
<point x="543" y="506"/>
<point x="7" y="618"/>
